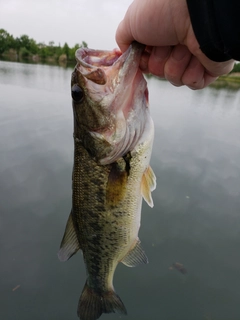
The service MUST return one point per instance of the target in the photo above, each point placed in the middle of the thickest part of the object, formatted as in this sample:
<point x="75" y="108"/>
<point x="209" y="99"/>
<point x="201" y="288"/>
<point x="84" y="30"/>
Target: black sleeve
<point x="216" y="24"/>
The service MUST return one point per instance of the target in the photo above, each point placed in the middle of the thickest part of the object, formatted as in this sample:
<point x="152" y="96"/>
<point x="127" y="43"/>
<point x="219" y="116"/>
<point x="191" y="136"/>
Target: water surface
<point x="195" y="220"/>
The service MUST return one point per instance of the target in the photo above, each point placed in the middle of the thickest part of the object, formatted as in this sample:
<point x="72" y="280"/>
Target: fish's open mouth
<point x="97" y="58"/>
<point x="98" y="65"/>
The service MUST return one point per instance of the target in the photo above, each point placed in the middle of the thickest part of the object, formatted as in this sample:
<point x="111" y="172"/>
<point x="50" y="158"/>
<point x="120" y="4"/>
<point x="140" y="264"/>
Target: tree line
<point x="236" y="67"/>
<point x="26" y="47"/>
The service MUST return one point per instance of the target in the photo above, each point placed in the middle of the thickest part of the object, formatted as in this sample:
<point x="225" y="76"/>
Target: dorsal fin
<point x="135" y="256"/>
<point x="148" y="184"/>
<point x="69" y="245"/>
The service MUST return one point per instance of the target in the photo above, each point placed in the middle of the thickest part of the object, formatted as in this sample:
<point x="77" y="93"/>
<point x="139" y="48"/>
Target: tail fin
<point x="92" y="304"/>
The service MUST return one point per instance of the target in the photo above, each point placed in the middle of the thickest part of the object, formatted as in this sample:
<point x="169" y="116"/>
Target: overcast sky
<point x="71" y="21"/>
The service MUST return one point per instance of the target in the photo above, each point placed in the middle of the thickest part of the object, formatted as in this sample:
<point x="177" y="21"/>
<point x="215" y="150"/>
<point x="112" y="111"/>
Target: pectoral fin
<point x="135" y="256"/>
<point x="69" y="245"/>
<point x="148" y="184"/>
<point x="116" y="185"/>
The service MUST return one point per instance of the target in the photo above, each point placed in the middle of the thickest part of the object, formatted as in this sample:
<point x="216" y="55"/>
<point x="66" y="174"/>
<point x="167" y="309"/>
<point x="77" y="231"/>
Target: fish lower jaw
<point x="134" y="89"/>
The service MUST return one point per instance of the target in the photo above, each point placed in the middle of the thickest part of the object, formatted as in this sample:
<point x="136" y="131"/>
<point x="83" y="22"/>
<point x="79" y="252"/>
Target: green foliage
<point x="236" y="67"/>
<point x="6" y="40"/>
<point x="66" y="50"/>
<point x="24" y="53"/>
<point x="27" y="47"/>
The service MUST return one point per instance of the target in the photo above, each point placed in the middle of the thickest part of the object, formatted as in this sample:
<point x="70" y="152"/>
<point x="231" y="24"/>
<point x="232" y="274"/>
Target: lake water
<point x="195" y="220"/>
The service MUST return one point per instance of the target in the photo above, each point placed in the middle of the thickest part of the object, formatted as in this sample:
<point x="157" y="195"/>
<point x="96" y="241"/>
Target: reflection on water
<point x="195" y="221"/>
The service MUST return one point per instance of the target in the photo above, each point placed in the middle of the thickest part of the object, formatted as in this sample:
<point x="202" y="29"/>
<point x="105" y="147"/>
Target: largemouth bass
<point x="113" y="136"/>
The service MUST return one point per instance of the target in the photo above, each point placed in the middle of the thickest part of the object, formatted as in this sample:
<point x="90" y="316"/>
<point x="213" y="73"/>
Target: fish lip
<point x="94" y="59"/>
<point x="131" y="57"/>
<point x="131" y="80"/>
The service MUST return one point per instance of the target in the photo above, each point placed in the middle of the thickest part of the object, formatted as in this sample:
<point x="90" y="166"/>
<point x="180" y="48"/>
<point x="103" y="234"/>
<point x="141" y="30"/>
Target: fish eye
<point x="77" y="93"/>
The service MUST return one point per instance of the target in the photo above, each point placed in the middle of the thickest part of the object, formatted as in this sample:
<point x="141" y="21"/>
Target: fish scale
<point x="92" y="218"/>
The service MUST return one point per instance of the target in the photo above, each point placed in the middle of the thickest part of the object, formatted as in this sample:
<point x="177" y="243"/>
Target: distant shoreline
<point x="231" y="80"/>
<point x="35" y="59"/>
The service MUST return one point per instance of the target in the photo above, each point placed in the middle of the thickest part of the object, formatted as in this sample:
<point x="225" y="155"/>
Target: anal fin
<point x="69" y="245"/>
<point x="148" y="184"/>
<point x="135" y="256"/>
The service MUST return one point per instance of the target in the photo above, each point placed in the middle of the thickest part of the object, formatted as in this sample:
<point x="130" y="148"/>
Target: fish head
<point x="110" y="101"/>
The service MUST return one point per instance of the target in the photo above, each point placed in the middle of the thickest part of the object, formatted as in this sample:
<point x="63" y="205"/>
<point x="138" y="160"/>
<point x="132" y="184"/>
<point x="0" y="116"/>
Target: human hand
<point x="172" y="51"/>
